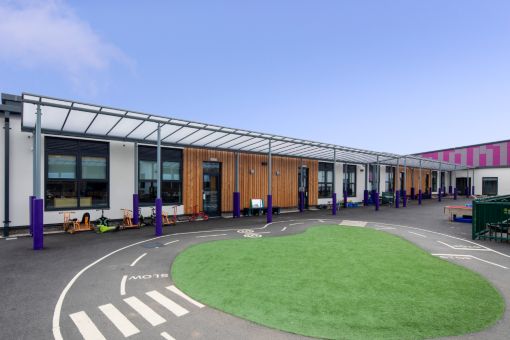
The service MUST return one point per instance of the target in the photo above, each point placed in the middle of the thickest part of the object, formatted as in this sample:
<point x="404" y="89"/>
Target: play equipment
<point x="104" y="221"/>
<point x="176" y="218"/>
<point x="458" y="212"/>
<point x="104" y="229"/>
<point x="198" y="215"/>
<point x="127" y="219"/>
<point x="491" y="218"/>
<point x="73" y="225"/>
<point x="164" y="217"/>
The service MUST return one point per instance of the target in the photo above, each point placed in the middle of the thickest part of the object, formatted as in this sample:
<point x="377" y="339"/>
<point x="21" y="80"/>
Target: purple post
<point x="269" y="208"/>
<point x="412" y="193"/>
<point x="397" y="199"/>
<point x="159" y="217"/>
<point x="31" y="214"/>
<point x="345" y="198"/>
<point x="455" y="193"/>
<point x="301" y="201"/>
<point x="419" y="196"/>
<point x="38" y="224"/>
<point x="450" y="190"/>
<point x="333" y="207"/>
<point x="466" y="191"/>
<point x="365" y="197"/>
<point x="237" y="205"/>
<point x="430" y="191"/>
<point x="439" y="195"/>
<point x="473" y="190"/>
<point x="136" y="216"/>
<point x="404" y="198"/>
<point x="376" y="198"/>
<point x="444" y="191"/>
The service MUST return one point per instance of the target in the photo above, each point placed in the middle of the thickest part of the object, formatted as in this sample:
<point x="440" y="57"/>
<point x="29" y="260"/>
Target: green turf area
<point x="339" y="282"/>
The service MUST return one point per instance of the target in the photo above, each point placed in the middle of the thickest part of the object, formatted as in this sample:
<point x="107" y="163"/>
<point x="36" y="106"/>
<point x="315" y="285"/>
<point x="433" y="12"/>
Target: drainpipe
<point x="6" y="175"/>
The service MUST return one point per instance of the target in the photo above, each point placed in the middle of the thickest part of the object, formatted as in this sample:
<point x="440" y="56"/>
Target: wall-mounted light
<point x="277" y="172"/>
<point x="252" y="171"/>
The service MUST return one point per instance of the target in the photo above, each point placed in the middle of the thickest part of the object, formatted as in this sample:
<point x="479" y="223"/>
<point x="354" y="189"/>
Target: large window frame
<point x="390" y="179"/>
<point x="485" y="189"/>
<point x="325" y="178"/>
<point x="171" y="181"/>
<point x="434" y="181"/>
<point x="350" y="179"/>
<point x="82" y="181"/>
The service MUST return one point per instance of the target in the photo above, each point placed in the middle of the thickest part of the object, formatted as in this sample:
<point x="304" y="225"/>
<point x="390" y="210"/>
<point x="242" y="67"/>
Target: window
<point x="325" y="180"/>
<point x="490" y="186"/>
<point x="372" y="176"/>
<point x="350" y="179"/>
<point x="390" y="175"/>
<point x="171" y="178"/>
<point x="76" y="174"/>
<point x="434" y="181"/>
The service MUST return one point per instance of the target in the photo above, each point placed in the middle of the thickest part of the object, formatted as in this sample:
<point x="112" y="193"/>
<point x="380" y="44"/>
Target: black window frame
<point x="390" y="179"/>
<point x="350" y="168"/>
<point x="77" y="148"/>
<point x="327" y="182"/>
<point x="495" y="179"/>
<point x="148" y="153"/>
<point x="434" y="181"/>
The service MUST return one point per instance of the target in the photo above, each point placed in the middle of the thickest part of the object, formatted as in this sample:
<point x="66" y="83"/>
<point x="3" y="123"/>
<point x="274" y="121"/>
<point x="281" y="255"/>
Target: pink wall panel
<point x="483" y="160"/>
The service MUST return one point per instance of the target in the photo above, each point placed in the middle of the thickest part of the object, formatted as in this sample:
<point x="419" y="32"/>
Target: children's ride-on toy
<point x="73" y="225"/>
<point x="127" y="220"/>
<point x="198" y="215"/>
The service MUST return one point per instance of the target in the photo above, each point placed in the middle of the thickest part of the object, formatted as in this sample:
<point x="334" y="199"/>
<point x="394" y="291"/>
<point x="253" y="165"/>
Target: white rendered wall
<point x="2" y="167"/>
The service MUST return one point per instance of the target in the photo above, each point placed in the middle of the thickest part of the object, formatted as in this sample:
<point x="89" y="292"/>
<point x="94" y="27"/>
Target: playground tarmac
<point x="117" y="285"/>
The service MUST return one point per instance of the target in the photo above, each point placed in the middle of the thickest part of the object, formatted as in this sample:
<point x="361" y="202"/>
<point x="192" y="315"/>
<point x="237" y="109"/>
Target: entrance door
<point x="212" y="188"/>
<point x="427" y="183"/>
<point x="461" y="184"/>
<point x="303" y="186"/>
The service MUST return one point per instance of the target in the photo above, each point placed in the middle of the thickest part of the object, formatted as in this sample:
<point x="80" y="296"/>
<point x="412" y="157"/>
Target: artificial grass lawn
<point x="339" y="282"/>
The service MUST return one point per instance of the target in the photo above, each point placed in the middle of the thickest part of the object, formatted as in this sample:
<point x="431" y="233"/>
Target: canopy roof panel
<point x="70" y="118"/>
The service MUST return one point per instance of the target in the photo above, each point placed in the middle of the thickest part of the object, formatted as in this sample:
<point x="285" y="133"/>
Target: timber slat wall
<point x="409" y="179"/>
<point x="284" y="186"/>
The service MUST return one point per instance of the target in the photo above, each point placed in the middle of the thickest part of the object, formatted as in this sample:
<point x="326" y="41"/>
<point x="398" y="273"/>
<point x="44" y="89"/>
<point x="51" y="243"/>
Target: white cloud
<point x="49" y="34"/>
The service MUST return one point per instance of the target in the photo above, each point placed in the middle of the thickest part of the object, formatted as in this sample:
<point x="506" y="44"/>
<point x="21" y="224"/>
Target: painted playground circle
<point x="339" y="282"/>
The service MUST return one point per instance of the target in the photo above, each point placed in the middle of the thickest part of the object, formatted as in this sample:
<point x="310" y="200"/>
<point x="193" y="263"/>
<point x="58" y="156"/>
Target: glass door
<point x="211" y="194"/>
<point x="303" y="185"/>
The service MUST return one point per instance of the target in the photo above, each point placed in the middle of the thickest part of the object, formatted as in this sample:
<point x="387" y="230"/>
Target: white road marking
<point x="145" y="311"/>
<point x="11" y="238"/>
<point x="264" y="232"/>
<point x="167" y="303"/>
<point x="461" y="256"/>
<point x="176" y="291"/>
<point x="138" y="259"/>
<point x="171" y="242"/>
<point x="86" y="327"/>
<point x="212" y="235"/>
<point x="123" y="285"/>
<point x="463" y="247"/>
<point x="284" y="228"/>
<point x="353" y="223"/>
<point x="321" y="221"/>
<point x="412" y="232"/>
<point x="122" y="323"/>
<point x="296" y="223"/>
<point x="167" y="336"/>
<point x="385" y="228"/>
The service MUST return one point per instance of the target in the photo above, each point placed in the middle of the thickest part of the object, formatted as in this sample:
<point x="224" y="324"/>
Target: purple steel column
<point x="450" y="190"/>
<point x="397" y="199"/>
<point x="31" y="213"/>
<point x="365" y="197"/>
<point x="237" y="205"/>
<point x="466" y="191"/>
<point x="38" y="224"/>
<point x="345" y="198"/>
<point x="412" y="193"/>
<point x="430" y="192"/>
<point x="333" y="206"/>
<point x="376" y="198"/>
<point x="159" y="217"/>
<point x="455" y="193"/>
<point x="136" y="216"/>
<point x="404" y="198"/>
<point x="301" y="201"/>
<point x="439" y="195"/>
<point x="473" y="190"/>
<point x="269" y="208"/>
<point x="419" y="196"/>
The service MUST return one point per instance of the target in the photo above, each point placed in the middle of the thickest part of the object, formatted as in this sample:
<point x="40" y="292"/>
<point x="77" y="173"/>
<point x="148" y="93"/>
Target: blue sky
<point x="396" y="76"/>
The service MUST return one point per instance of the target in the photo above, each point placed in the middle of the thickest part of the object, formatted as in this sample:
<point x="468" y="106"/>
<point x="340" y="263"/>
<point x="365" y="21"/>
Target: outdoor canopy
<point x="75" y="119"/>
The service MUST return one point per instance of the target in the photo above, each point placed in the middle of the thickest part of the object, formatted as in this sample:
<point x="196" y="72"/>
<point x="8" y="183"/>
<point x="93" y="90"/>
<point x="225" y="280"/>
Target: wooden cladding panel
<point x="414" y="182"/>
<point x="251" y="185"/>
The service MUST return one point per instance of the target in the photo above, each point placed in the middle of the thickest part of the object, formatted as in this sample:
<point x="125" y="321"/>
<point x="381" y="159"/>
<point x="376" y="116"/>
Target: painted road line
<point x="421" y="235"/>
<point x="123" y="285"/>
<point x="176" y="291"/>
<point x="284" y="228"/>
<point x="11" y="238"/>
<point x="138" y="259"/>
<point x="384" y="228"/>
<point x="264" y="232"/>
<point x="461" y="257"/>
<point x="145" y="311"/>
<point x="456" y="247"/>
<point x="167" y="303"/>
<point x="122" y="323"/>
<point x="171" y="242"/>
<point x="211" y="235"/>
<point x="86" y="327"/>
<point x="167" y="336"/>
<point x="353" y="223"/>
<point x="296" y="223"/>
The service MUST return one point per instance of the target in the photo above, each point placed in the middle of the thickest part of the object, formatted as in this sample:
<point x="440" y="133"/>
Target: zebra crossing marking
<point x="178" y="292"/>
<point x="167" y="303"/>
<point x="167" y="336"/>
<point x="118" y="319"/>
<point x="145" y="311"/>
<point x="86" y="327"/>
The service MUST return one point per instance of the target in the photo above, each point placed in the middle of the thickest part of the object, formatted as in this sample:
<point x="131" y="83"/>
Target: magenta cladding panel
<point x="486" y="155"/>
